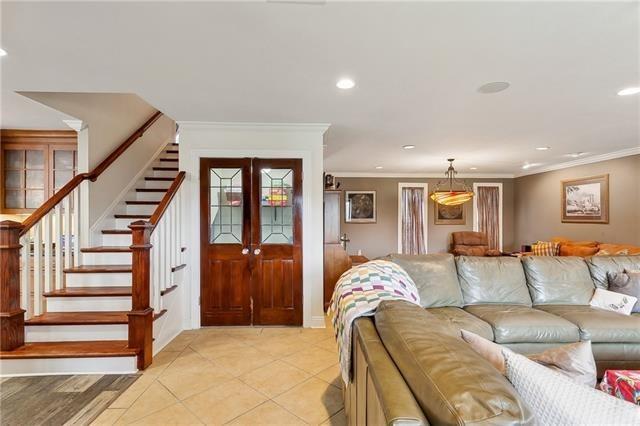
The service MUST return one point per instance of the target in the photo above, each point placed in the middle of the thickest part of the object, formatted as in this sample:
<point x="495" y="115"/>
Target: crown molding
<point x="582" y="161"/>
<point x="237" y="126"/>
<point x="421" y="175"/>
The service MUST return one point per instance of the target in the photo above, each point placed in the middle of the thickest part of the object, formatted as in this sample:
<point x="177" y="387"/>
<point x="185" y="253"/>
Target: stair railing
<point x="157" y="252"/>
<point x="34" y="253"/>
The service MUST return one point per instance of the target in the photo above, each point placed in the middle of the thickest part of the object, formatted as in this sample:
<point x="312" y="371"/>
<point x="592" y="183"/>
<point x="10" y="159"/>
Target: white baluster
<point x="66" y="206"/>
<point x="47" y="226"/>
<point x="25" y="287"/>
<point x="172" y="234"/>
<point x="155" y="268"/>
<point x="179" y="224"/>
<point x="37" y="269"/>
<point x="58" y="248"/>
<point x="167" y="254"/>
<point x="76" y="226"/>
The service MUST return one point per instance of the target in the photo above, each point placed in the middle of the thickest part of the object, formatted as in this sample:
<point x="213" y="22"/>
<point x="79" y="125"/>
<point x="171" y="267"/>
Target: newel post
<point x="11" y="315"/>
<point x="141" y="315"/>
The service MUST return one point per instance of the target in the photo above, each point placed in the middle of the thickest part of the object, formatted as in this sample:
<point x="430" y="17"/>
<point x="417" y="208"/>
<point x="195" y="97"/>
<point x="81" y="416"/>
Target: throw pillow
<point x="545" y="248"/>
<point x="574" y="360"/>
<point x="627" y="283"/>
<point x="577" y="250"/>
<point x="557" y="400"/>
<point x="612" y="301"/>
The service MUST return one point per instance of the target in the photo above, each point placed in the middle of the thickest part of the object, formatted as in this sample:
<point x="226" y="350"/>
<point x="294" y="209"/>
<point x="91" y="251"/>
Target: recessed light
<point x="494" y="87"/>
<point x="530" y="165"/>
<point x="576" y="154"/>
<point x="345" y="83"/>
<point x="408" y="146"/>
<point x="379" y="167"/>
<point x="3" y="52"/>
<point x="629" y="91"/>
<point x="543" y="148"/>
<point x="473" y="168"/>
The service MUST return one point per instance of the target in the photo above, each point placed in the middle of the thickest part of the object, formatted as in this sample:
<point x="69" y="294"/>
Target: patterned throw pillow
<point x="557" y="400"/>
<point x="612" y="301"/>
<point x="627" y="282"/>
<point x="545" y="248"/>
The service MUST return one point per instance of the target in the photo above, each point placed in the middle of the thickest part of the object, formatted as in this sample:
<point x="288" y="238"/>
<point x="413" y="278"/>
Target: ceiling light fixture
<point x="345" y="84"/>
<point x="379" y="167"/>
<point x="473" y="168"/>
<point x="3" y="52"/>
<point x="629" y="91"/>
<point x="408" y="146"/>
<point x="493" y="87"/>
<point x="543" y="148"/>
<point x="576" y="154"/>
<point x="530" y="165"/>
<point x="451" y="197"/>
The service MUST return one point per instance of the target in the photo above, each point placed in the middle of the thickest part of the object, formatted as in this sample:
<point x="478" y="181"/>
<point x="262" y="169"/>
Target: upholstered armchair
<point x="469" y="243"/>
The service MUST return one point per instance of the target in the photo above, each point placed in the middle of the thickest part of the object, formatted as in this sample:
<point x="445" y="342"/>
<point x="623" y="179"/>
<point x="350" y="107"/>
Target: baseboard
<point x="317" y="321"/>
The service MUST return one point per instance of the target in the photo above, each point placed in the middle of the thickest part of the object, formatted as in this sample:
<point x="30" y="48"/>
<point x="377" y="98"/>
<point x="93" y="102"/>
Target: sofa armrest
<point x="381" y="394"/>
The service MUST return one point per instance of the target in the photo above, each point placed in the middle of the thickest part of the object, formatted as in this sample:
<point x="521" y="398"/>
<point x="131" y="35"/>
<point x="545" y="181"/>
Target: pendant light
<point x="451" y="196"/>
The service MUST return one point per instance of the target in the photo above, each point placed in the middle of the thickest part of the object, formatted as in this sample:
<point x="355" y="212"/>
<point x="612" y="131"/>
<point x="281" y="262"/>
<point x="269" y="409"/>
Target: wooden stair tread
<point x="159" y="314"/>
<point x="116" y="231"/>
<point x="166" y="169"/>
<point x="106" y="249"/>
<point x="152" y="189"/>
<point x="132" y="216"/>
<point x="80" y="269"/>
<point x="172" y="151"/>
<point x="161" y="179"/>
<point x="82" y="349"/>
<point x="142" y="203"/>
<point x="79" y="318"/>
<point x="90" y="292"/>
<point x="179" y="267"/>
<point x="168" y="290"/>
<point x="173" y="160"/>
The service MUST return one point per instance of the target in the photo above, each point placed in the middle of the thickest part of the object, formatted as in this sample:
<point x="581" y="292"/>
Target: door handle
<point x="256" y="251"/>
<point x="245" y="251"/>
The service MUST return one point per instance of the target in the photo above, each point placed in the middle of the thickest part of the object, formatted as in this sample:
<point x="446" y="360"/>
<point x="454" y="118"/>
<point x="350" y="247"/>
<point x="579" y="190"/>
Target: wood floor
<point x="58" y="400"/>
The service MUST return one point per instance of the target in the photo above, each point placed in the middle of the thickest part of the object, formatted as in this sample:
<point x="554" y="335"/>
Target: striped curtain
<point x="413" y="221"/>
<point x="488" y="202"/>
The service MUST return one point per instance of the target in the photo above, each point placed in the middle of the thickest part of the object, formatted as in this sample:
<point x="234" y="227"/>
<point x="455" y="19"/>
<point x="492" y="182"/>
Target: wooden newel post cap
<point x="10" y="224"/>
<point x="140" y="224"/>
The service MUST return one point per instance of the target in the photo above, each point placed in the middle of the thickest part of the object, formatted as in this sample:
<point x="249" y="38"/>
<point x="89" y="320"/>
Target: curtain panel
<point x="413" y="226"/>
<point x="488" y="202"/>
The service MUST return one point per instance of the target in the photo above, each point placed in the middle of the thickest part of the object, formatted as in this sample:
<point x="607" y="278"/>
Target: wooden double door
<point x="251" y="241"/>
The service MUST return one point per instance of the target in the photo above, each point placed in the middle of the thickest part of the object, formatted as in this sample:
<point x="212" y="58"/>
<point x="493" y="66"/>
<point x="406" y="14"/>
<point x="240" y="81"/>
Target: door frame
<point x="312" y="194"/>
<point x="498" y="185"/>
<point x="425" y="189"/>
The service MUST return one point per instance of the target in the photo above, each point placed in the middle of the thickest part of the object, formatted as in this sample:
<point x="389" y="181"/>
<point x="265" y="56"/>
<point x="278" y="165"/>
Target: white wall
<point x="198" y="140"/>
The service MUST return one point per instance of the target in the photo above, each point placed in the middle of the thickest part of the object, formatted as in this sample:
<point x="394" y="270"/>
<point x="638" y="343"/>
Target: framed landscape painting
<point x="586" y="200"/>
<point x="360" y="206"/>
<point x="449" y="215"/>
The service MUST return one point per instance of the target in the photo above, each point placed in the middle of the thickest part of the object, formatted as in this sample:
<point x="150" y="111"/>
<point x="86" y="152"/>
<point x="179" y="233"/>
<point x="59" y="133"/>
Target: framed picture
<point x="586" y="200"/>
<point x="449" y="215"/>
<point x="360" y="207"/>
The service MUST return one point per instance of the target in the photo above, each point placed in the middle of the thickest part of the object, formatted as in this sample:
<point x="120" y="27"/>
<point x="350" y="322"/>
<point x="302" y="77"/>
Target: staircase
<point x="97" y="315"/>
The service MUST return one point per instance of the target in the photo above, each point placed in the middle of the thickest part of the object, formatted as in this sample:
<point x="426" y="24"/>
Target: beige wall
<point x="538" y="204"/>
<point x="380" y="238"/>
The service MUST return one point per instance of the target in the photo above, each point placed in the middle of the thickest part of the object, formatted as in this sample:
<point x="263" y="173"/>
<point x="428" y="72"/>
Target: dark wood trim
<point x="141" y="315"/>
<point x="159" y="314"/>
<point x="151" y="190"/>
<point x="79" y="318"/>
<point x="168" y="290"/>
<point x="90" y="292"/>
<point x="141" y="203"/>
<point x="48" y="205"/>
<point x="116" y="231"/>
<point x="166" y="200"/>
<point x="132" y="216"/>
<point x="92" y="269"/>
<point x="106" y="249"/>
<point x="165" y="169"/>
<point x="158" y="179"/>
<point x="11" y="315"/>
<point x="83" y="349"/>
<point x="38" y="136"/>
<point x="179" y="267"/>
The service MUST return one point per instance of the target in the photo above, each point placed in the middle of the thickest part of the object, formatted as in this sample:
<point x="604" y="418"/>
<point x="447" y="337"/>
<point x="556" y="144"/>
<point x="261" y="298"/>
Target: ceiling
<point x="417" y="67"/>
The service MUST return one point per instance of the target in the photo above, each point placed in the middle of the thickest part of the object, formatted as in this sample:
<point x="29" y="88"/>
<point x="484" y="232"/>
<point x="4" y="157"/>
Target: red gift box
<point x="624" y="384"/>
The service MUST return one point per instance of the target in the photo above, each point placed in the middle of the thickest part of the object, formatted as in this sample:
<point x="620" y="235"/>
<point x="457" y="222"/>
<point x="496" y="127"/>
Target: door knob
<point x="245" y="251"/>
<point x="256" y="251"/>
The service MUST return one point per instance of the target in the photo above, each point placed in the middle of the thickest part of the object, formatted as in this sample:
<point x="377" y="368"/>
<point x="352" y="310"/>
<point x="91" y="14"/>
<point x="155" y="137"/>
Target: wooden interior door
<point x="276" y="228"/>
<point x="251" y="241"/>
<point x="225" y="239"/>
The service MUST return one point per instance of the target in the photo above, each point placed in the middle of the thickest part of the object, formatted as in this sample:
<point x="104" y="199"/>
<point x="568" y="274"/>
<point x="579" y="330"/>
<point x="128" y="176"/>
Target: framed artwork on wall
<point x="449" y="215"/>
<point x="586" y="200"/>
<point x="360" y="207"/>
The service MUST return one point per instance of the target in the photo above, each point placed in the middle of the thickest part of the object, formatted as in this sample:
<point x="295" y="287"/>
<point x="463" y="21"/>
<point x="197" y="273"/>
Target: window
<point x="34" y="167"/>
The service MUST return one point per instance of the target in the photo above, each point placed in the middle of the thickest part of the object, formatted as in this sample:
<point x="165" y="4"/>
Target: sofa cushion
<point x="461" y="319"/>
<point x="598" y="325"/>
<point x="599" y="266"/>
<point x="435" y="277"/>
<point x="498" y="280"/>
<point x="519" y="324"/>
<point x="452" y="384"/>
<point x="558" y="280"/>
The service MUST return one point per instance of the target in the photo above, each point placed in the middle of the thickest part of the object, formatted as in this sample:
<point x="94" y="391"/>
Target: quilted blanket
<point x="358" y="293"/>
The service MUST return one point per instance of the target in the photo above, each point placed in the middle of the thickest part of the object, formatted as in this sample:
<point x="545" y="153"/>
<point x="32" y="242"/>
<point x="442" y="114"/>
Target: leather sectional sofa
<point x="410" y="365"/>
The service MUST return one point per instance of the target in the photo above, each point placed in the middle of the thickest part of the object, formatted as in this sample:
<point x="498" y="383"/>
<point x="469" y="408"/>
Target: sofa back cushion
<point x="434" y="275"/>
<point x="486" y="280"/>
<point x="558" y="280"/>
<point x="600" y="266"/>
<point x="452" y="384"/>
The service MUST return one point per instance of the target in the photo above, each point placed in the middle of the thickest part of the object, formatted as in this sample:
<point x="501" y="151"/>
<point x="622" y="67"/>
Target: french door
<point x="251" y="241"/>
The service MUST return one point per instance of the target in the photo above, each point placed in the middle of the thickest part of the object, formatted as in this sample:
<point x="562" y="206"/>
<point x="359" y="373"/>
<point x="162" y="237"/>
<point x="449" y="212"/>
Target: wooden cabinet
<point x="336" y="259"/>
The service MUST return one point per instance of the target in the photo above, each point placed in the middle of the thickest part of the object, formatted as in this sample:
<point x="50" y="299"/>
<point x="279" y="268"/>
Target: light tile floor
<point x="243" y="376"/>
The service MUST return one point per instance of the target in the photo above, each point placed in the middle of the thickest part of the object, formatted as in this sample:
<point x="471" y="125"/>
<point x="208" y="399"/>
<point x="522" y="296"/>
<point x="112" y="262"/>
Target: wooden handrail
<point x="48" y="205"/>
<point x="166" y="200"/>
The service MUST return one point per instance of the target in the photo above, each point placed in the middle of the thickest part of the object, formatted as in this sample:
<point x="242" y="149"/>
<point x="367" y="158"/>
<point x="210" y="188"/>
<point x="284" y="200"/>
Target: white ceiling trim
<point x="204" y="125"/>
<point x="581" y="161"/>
<point x="421" y="175"/>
